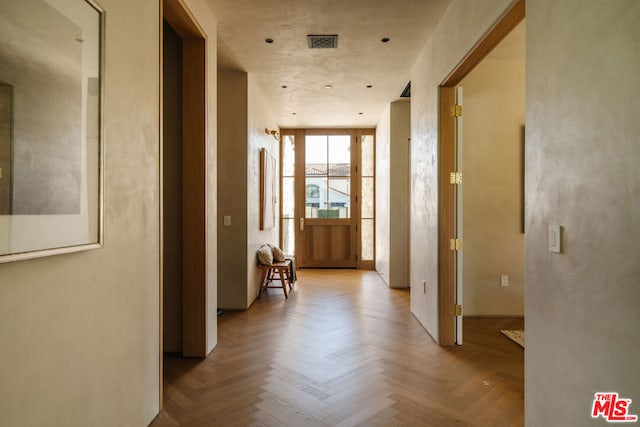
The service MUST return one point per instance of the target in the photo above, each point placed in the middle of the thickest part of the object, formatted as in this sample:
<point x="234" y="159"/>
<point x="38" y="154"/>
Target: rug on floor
<point x="516" y="336"/>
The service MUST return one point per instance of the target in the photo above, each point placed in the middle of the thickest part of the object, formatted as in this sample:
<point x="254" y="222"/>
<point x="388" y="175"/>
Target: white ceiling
<point x="361" y="58"/>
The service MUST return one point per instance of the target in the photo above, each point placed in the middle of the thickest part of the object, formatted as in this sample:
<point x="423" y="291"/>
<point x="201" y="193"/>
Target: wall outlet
<point x="504" y="280"/>
<point x="226" y="220"/>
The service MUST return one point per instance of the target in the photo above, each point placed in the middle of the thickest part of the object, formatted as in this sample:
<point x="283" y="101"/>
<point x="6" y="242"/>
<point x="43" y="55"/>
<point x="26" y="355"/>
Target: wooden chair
<point x="276" y="271"/>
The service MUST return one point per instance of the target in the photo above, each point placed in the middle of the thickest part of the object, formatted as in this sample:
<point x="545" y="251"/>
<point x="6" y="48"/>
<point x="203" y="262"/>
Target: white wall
<point x="493" y="242"/>
<point x="461" y="26"/>
<point x="583" y="152"/>
<point x="80" y="332"/>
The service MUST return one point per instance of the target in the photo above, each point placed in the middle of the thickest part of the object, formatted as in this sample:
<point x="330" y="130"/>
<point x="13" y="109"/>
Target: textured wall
<point x="383" y="187"/>
<point x="583" y="151"/>
<point x="80" y="332"/>
<point x="461" y="26"/>
<point x="494" y="103"/>
<point x="232" y="179"/>
<point x="399" y="194"/>
<point x="259" y="117"/>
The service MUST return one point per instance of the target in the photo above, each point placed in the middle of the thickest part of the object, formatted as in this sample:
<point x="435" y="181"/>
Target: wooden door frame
<point x="300" y="188"/>
<point x="509" y="19"/>
<point x="194" y="136"/>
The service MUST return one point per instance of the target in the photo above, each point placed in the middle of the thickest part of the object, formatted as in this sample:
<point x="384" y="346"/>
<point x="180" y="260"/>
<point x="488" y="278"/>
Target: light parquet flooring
<point x="344" y="350"/>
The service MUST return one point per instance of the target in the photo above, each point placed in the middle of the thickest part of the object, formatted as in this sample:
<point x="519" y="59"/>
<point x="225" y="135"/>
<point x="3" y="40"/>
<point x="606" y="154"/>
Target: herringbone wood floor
<point x="344" y="350"/>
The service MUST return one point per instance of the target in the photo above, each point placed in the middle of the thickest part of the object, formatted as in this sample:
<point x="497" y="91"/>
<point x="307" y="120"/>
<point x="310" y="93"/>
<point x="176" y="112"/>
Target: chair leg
<point x="263" y="280"/>
<point x="283" y="280"/>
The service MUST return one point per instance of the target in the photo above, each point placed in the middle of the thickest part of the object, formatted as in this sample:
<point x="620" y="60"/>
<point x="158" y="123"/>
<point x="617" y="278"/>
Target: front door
<point x="326" y="194"/>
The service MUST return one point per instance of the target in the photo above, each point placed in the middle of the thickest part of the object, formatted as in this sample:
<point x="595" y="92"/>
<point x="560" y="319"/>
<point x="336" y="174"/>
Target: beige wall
<point x="461" y="26"/>
<point x="259" y="117"/>
<point x="80" y="332"/>
<point x="582" y="173"/>
<point x="383" y="186"/>
<point x="242" y="122"/>
<point x="392" y="194"/>
<point x="232" y="179"/>
<point x="493" y="244"/>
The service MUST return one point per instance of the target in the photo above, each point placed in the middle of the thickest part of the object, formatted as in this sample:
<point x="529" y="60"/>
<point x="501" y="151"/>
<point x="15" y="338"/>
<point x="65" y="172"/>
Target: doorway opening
<point x="328" y="197"/>
<point x="450" y="239"/>
<point x="183" y="249"/>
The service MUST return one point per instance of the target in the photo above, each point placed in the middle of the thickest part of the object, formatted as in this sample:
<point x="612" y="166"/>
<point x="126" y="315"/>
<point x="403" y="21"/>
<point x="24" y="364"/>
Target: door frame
<point x="509" y="19"/>
<point x="300" y="191"/>
<point x="194" y="136"/>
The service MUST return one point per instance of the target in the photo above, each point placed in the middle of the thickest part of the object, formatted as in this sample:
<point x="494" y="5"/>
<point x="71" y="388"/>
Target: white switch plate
<point x="227" y="220"/>
<point x="554" y="239"/>
<point x="504" y="280"/>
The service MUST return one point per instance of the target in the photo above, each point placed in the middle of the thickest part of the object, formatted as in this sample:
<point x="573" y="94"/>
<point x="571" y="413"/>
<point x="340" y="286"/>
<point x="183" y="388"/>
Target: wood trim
<point x="446" y="218"/>
<point x="194" y="199"/>
<point x="511" y="17"/>
<point x="161" y="208"/>
<point x="182" y="20"/>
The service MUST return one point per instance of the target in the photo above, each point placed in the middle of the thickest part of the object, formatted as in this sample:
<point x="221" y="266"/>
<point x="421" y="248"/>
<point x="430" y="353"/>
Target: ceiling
<point x="361" y="58"/>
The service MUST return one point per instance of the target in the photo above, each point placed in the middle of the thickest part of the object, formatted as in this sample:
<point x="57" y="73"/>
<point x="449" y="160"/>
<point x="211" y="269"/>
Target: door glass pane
<point x="367" y="240"/>
<point x="315" y="196"/>
<point x="367" y="198"/>
<point x="288" y="155"/>
<point x="339" y="203"/>
<point x="316" y="150"/>
<point x="339" y="150"/>
<point x="288" y="197"/>
<point x="288" y="236"/>
<point x="367" y="155"/>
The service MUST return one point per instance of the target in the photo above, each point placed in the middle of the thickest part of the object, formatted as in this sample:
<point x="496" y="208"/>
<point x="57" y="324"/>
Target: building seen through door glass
<point x="328" y="176"/>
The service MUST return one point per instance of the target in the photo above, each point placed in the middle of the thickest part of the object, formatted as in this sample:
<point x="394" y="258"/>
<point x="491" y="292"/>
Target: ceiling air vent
<point x="323" y="41"/>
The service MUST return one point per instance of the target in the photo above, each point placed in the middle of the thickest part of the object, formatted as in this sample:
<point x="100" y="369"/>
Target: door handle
<point x="301" y="224"/>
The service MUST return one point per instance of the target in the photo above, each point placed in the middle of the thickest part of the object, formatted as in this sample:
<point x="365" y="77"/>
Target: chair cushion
<point x="265" y="255"/>
<point x="278" y="255"/>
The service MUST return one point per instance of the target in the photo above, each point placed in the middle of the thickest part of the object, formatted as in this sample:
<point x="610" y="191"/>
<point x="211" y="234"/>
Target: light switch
<point x="554" y="238"/>
<point x="227" y="220"/>
<point x="504" y="280"/>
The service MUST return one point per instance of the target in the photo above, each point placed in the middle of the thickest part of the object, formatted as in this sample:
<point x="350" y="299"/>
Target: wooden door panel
<point x="328" y="245"/>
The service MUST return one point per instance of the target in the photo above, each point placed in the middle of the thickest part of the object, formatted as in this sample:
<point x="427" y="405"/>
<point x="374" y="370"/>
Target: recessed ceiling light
<point x="385" y="40"/>
<point x="284" y="86"/>
<point x="360" y="114"/>
<point x="369" y="86"/>
<point x="268" y="41"/>
<point x="328" y="87"/>
<point x="293" y="114"/>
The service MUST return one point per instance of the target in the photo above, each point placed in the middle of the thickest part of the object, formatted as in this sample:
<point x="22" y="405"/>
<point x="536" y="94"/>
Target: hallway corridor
<point x="345" y="350"/>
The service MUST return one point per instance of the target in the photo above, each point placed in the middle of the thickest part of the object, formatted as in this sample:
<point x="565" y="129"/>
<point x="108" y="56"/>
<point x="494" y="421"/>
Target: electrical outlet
<point x="227" y="220"/>
<point x="504" y="280"/>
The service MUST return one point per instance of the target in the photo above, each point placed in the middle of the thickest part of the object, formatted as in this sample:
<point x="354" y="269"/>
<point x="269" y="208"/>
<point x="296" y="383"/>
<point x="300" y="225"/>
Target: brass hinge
<point x="356" y="228"/>
<point x="455" y="244"/>
<point x="455" y="110"/>
<point x="455" y="178"/>
<point x="456" y="310"/>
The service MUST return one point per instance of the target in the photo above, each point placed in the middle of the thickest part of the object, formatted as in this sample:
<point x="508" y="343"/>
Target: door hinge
<point x="456" y="310"/>
<point x="455" y="244"/>
<point x="456" y="110"/>
<point x="455" y="178"/>
<point x="356" y="228"/>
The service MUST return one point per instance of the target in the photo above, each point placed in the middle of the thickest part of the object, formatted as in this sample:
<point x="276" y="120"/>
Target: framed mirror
<point x="51" y="60"/>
